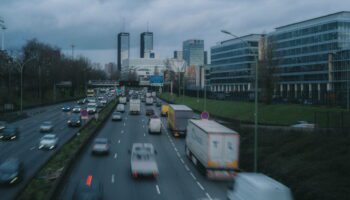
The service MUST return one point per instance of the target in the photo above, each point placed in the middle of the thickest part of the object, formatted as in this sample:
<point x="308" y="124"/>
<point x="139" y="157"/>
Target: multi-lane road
<point x="178" y="179"/>
<point x="26" y="147"/>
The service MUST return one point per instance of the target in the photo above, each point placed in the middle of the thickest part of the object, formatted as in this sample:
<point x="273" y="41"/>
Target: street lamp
<point x="255" y="96"/>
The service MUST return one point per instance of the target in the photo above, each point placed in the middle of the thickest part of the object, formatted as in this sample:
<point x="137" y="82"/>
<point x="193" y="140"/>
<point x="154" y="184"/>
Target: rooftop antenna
<point x="147" y="27"/>
<point x="123" y="27"/>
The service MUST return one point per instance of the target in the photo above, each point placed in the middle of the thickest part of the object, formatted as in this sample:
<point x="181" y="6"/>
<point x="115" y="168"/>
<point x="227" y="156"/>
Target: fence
<point x="333" y="121"/>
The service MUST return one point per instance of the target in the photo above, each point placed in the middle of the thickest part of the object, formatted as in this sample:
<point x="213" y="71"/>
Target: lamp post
<point x="255" y="97"/>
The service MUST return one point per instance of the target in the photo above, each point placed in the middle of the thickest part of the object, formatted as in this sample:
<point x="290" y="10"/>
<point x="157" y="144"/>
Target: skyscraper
<point x="146" y="45"/>
<point x="123" y="48"/>
<point x="193" y="52"/>
<point x="178" y="55"/>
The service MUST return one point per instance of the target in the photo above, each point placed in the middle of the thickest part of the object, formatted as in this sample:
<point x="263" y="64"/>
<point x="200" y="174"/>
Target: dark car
<point x="2" y="125"/>
<point x="11" y="172"/>
<point x="66" y="108"/>
<point x="74" y="121"/>
<point x="149" y="112"/>
<point x="88" y="189"/>
<point x="9" y="133"/>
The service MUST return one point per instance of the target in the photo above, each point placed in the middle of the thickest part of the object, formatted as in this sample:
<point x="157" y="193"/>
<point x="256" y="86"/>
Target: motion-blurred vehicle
<point x="11" y="171"/>
<point x="74" y="121"/>
<point x="159" y="104"/>
<point x="101" y="146"/>
<point x="135" y="106"/>
<point x="143" y="162"/>
<point x="256" y="186"/>
<point x="149" y="101"/>
<point x="178" y="116"/>
<point x="88" y="189"/>
<point x="303" y="125"/>
<point x="121" y="108"/>
<point x="117" y="116"/>
<point x="103" y="101"/>
<point x="76" y="109"/>
<point x="2" y="125"/>
<point x="9" y="133"/>
<point x="154" y="125"/>
<point x="91" y="100"/>
<point x="149" y="111"/>
<point x="81" y="101"/>
<point x="91" y="108"/>
<point x="46" y="126"/>
<point x="122" y="100"/>
<point x="48" y="141"/>
<point x="66" y="108"/>
<point x="164" y="110"/>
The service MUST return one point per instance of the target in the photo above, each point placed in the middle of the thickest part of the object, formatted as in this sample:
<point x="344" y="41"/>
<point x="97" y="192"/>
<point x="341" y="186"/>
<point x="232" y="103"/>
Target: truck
<point x="122" y="100"/>
<point x="135" y="106"/>
<point x="153" y="94"/>
<point x="148" y="94"/>
<point x="212" y="148"/>
<point x="149" y="100"/>
<point x="178" y="116"/>
<point x="90" y="92"/>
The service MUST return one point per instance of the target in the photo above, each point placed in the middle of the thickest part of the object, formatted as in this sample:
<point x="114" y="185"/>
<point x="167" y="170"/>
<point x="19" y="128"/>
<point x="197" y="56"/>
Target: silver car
<point x="76" y="109"/>
<point x="100" y="146"/>
<point x="48" y="141"/>
<point x="46" y="126"/>
<point x="143" y="162"/>
<point x="116" y="116"/>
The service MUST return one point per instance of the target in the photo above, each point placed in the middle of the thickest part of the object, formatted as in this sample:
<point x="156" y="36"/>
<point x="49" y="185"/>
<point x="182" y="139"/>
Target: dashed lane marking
<point x="199" y="184"/>
<point x="115" y="156"/>
<point x="112" y="179"/>
<point x="158" y="190"/>
<point x="193" y="176"/>
<point x="118" y="141"/>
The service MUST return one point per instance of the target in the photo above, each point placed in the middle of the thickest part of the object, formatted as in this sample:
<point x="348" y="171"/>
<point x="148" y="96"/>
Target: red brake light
<point x="89" y="180"/>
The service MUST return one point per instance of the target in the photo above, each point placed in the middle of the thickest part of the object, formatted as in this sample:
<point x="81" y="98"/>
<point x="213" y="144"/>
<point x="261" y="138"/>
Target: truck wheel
<point x="188" y="153"/>
<point x="194" y="160"/>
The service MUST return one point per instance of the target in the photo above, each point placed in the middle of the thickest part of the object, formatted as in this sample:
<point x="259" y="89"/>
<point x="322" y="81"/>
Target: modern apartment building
<point x="178" y="55"/>
<point x="193" y="52"/>
<point x="123" y="48"/>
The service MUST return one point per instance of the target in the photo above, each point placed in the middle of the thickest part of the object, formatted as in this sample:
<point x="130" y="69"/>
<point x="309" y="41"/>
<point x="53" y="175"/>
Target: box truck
<point x="122" y="100"/>
<point x="178" y="116"/>
<point x="135" y="106"/>
<point x="212" y="148"/>
<point x="149" y="100"/>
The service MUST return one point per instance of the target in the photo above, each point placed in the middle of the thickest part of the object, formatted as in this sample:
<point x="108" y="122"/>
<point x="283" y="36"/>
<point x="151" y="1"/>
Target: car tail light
<point x="88" y="180"/>
<point x="155" y="174"/>
<point x="134" y="174"/>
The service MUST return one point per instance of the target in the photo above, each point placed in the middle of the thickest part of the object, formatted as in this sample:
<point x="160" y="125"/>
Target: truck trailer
<point x="212" y="148"/>
<point x="178" y="116"/>
<point x="135" y="106"/>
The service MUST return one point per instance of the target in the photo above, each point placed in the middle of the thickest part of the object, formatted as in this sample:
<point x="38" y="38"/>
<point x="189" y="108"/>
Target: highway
<point x="178" y="179"/>
<point x="26" y="147"/>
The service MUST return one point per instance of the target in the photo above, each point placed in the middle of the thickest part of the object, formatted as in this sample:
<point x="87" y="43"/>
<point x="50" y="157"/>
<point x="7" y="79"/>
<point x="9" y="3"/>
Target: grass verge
<point x="41" y="185"/>
<point x="274" y="114"/>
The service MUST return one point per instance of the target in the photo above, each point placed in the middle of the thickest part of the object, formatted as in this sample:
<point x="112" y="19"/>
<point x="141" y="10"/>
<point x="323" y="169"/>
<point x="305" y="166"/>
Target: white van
<point x="154" y="125"/>
<point x="256" y="186"/>
<point x="120" y="107"/>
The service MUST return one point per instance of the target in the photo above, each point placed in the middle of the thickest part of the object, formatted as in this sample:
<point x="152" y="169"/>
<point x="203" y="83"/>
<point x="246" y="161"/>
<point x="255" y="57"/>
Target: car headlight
<point x="14" y="179"/>
<point x="78" y="121"/>
<point x="68" y="121"/>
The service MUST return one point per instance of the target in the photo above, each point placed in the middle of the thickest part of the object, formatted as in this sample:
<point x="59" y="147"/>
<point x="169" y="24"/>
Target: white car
<point x="91" y="108"/>
<point x="256" y="186"/>
<point x="117" y="116"/>
<point x="143" y="162"/>
<point x="101" y="146"/>
<point x="154" y="125"/>
<point x="303" y="125"/>
<point x="121" y="107"/>
<point x="48" y="141"/>
<point x="46" y="127"/>
<point x="76" y="109"/>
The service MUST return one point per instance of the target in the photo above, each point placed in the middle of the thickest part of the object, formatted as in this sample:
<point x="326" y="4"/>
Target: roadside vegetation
<point x="273" y="114"/>
<point x="44" y="182"/>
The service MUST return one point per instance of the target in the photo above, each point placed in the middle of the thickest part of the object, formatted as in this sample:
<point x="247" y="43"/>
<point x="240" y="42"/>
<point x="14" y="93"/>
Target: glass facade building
<point x="233" y="64"/>
<point x="146" y="43"/>
<point x="306" y="52"/>
<point x="193" y="52"/>
<point x="123" y="48"/>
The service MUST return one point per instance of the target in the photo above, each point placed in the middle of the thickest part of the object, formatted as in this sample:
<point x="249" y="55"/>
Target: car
<point x="76" y="109"/>
<point x="117" y="116"/>
<point x="121" y="107"/>
<point x="101" y="146"/>
<point x="103" y="101"/>
<point x="303" y="125"/>
<point x="2" y="125"/>
<point x="159" y="104"/>
<point x="143" y="162"/>
<point x="149" y="111"/>
<point x="11" y="171"/>
<point x="48" y="141"/>
<point x="90" y="189"/>
<point x="10" y="133"/>
<point x="154" y="125"/>
<point x="46" y="126"/>
<point x="74" y="121"/>
<point x="143" y="99"/>
<point x="66" y="108"/>
<point x="91" y="108"/>
<point x="257" y="186"/>
<point x="81" y="101"/>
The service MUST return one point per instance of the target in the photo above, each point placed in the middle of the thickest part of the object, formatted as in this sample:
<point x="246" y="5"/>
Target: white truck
<point x="122" y="100"/>
<point x="213" y="148"/>
<point x="148" y="94"/>
<point x="149" y="100"/>
<point x="154" y="94"/>
<point x="135" y="106"/>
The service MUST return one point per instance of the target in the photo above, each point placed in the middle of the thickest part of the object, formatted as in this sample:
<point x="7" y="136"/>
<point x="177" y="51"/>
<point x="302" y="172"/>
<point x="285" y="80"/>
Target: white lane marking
<point x="193" y="176"/>
<point x="183" y="162"/>
<point x="176" y="149"/>
<point x="32" y="148"/>
<point x="144" y="134"/>
<point x="158" y="190"/>
<point x="122" y="131"/>
<point x="124" y="124"/>
<point x="118" y="141"/>
<point x="178" y="155"/>
<point x="209" y="197"/>
<point x="187" y="168"/>
<point x="198" y="183"/>
<point x="112" y="180"/>
<point x="115" y="156"/>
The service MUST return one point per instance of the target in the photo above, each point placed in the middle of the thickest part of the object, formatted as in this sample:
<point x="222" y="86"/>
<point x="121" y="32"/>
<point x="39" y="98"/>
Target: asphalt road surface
<point x="178" y="179"/>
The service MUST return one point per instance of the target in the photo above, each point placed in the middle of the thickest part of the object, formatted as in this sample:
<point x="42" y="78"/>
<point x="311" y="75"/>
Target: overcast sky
<point x="92" y="25"/>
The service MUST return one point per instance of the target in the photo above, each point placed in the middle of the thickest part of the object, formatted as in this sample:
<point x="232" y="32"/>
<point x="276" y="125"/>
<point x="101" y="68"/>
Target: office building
<point x="110" y="68"/>
<point x="232" y="67"/>
<point x="123" y="48"/>
<point x="146" y="43"/>
<point x="178" y="55"/>
<point x="313" y="57"/>
<point x="205" y="57"/>
<point x="193" y="52"/>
